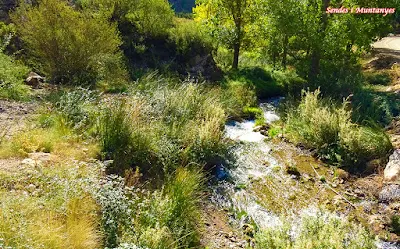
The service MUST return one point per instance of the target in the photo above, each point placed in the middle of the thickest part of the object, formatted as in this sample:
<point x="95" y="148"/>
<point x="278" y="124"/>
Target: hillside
<point x="182" y="5"/>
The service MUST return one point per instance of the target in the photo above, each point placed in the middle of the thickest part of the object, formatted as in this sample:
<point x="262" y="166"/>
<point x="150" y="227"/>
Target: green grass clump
<point x="164" y="218"/>
<point x="373" y="106"/>
<point x="164" y="126"/>
<point x="12" y="75"/>
<point x="77" y="107"/>
<point x="236" y="98"/>
<point x="170" y="218"/>
<point x="321" y="231"/>
<point x="320" y="124"/>
<point x="378" y="78"/>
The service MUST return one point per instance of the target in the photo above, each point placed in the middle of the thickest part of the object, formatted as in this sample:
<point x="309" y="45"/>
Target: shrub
<point x="6" y="34"/>
<point x="321" y="231"/>
<point x="261" y="79"/>
<point x="319" y="124"/>
<point x="76" y="107"/>
<point x="64" y="43"/>
<point x="12" y="75"/>
<point x="146" y="16"/>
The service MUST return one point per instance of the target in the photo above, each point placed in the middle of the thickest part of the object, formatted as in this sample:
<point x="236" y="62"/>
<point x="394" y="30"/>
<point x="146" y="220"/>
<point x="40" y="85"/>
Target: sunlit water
<point x="252" y="153"/>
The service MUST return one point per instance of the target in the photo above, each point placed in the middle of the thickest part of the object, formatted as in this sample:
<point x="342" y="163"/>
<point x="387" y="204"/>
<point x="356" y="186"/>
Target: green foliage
<point x="395" y="224"/>
<point x="164" y="126"/>
<point x="236" y="97"/>
<point x="229" y="22"/>
<point x="321" y="231"/>
<point x="64" y="43"/>
<point x="165" y="218"/>
<point x="320" y="124"/>
<point x="371" y="106"/>
<point x="76" y="107"/>
<point x="378" y="78"/>
<point x="146" y="16"/>
<point x="259" y="78"/>
<point x="12" y="75"/>
<point x="6" y="33"/>
<point x="169" y="219"/>
<point x="188" y="36"/>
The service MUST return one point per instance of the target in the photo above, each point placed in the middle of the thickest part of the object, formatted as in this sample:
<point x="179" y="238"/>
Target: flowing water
<point x="253" y="153"/>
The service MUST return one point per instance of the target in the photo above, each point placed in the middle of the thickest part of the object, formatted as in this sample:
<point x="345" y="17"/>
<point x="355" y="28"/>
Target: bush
<point x="261" y="79"/>
<point x="6" y="34"/>
<point x="64" y="43"/>
<point x="76" y="107"/>
<point x="12" y="75"/>
<point x="151" y="18"/>
<point x="319" y="124"/>
<point x="321" y="231"/>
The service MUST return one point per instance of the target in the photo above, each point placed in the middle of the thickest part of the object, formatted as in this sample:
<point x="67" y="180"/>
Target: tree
<point x="228" y="21"/>
<point x="325" y="48"/>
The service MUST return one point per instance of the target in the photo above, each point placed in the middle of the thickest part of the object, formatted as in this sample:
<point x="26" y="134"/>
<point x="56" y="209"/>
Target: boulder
<point x="392" y="170"/>
<point x="34" y="79"/>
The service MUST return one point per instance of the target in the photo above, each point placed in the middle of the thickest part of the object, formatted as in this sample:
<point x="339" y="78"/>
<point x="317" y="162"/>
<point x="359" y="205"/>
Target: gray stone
<point x="390" y="193"/>
<point x="392" y="170"/>
<point x="34" y="79"/>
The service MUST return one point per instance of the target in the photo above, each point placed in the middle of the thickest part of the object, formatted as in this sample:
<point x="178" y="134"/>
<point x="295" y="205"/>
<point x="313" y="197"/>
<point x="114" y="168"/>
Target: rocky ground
<point x="13" y="116"/>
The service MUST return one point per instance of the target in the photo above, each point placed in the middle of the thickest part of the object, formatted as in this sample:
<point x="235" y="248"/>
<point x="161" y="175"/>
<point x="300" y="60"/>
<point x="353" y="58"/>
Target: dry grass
<point x="47" y="207"/>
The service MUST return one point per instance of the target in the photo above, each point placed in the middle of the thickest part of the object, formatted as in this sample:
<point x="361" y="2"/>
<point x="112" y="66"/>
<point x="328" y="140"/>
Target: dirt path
<point x="388" y="43"/>
<point x="13" y="116"/>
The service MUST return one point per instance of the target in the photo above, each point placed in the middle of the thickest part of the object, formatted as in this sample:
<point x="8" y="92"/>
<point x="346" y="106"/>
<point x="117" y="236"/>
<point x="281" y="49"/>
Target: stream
<point x="252" y="153"/>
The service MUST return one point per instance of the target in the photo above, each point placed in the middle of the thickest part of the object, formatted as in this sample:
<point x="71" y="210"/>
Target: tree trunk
<point x="236" y="51"/>
<point x="316" y="52"/>
<point x="285" y="51"/>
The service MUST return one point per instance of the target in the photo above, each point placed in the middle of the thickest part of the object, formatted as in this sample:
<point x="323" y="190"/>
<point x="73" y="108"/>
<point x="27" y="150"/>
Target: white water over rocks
<point x="253" y="153"/>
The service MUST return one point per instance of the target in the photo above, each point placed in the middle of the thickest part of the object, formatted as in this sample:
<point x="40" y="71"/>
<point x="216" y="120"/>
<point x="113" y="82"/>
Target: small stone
<point x="390" y="193"/>
<point x="29" y="162"/>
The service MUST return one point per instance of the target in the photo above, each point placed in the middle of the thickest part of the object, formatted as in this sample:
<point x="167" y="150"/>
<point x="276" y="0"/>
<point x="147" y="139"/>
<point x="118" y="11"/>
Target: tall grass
<point x="12" y="75"/>
<point x="49" y="207"/>
<point x="165" y="218"/>
<point x="163" y="126"/>
<point x="322" y="125"/>
<point x="171" y="218"/>
<point x="320" y="231"/>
